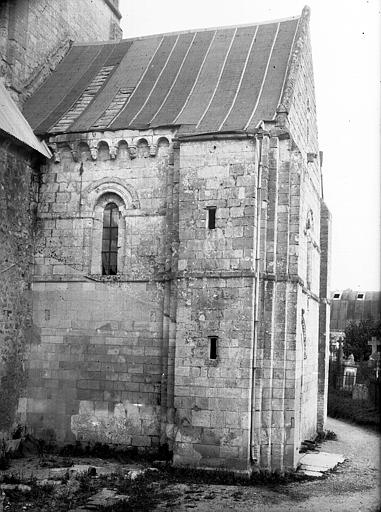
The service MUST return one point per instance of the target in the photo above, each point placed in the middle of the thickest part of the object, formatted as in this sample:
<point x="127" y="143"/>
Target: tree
<point x="357" y="335"/>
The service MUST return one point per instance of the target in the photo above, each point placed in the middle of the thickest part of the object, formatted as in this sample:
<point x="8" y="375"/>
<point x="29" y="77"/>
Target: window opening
<point x="110" y="240"/>
<point x="349" y="379"/>
<point x="336" y="295"/>
<point x="213" y="347"/>
<point x="212" y="217"/>
<point x="360" y="296"/>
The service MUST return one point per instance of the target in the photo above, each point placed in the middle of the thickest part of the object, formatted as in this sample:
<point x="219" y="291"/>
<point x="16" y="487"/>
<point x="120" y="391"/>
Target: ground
<point x="353" y="486"/>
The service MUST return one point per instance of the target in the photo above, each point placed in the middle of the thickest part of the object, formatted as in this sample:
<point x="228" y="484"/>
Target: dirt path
<point x="353" y="487"/>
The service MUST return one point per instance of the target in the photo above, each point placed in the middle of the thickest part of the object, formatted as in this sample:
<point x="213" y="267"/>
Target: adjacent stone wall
<point x="18" y="180"/>
<point x="35" y="35"/>
<point x="95" y="367"/>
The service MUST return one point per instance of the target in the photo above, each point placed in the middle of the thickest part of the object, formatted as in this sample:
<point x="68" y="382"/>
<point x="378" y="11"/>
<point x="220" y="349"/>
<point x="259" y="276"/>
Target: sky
<point x="346" y="55"/>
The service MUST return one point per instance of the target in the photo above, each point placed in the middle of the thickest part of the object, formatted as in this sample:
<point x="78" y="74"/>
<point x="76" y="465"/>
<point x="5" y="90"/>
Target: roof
<point x="210" y="80"/>
<point x="350" y="305"/>
<point x="13" y="123"/>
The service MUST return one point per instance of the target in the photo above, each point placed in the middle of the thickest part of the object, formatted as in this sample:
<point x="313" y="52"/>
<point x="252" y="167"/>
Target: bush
<point x="341" y="405"/>
<point x="325" y="435"/>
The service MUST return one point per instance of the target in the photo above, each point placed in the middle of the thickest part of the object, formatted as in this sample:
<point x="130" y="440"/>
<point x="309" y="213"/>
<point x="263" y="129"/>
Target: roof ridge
<point x="190" y="31"/>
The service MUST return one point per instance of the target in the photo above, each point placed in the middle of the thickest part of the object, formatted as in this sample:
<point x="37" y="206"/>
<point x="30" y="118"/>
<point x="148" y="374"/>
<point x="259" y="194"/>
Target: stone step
<point x="318" y="463"/>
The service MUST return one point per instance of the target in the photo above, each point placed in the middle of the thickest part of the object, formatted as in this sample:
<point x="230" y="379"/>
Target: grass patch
<point x="222" y="477"/>
<point x="4" y="457"/>
<point x="362" y="412"/>
<point x="121" y="454"/>
<point x="326" y="435"/>
<point x="144" y="493"/>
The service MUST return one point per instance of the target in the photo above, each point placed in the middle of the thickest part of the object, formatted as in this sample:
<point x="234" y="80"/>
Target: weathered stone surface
<point x="24" y="61"/>
<point x="105" y="498"/>
<point x="206" y="339"/>
<point x="18" y="189"/>
<point x="316" y="464"/>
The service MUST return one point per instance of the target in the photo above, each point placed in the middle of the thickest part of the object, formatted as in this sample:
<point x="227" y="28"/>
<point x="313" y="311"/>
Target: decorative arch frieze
<point x="56" y="153"/>
<point x="74" y="151"/>
<point x="138" y="144"/>
<point x="94" y="149"/>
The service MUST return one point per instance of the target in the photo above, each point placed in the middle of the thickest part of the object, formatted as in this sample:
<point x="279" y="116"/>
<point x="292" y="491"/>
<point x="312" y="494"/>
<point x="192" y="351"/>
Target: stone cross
<point x="373" y="343"/>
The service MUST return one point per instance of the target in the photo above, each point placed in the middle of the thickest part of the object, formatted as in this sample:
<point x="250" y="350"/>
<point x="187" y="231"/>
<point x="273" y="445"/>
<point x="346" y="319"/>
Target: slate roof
<point x="13" y="123"/>
<point x="351" y="305"/>
<point x="212" y="80"/>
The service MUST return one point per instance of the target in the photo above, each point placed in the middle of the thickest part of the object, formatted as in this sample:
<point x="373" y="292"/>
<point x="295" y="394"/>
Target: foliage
<point x="357" y="335"/>
<point x="341" y="405"/>
<point x="143" y="493"/>
<point x="326" y="435"/>
<point x="4" y="457"/>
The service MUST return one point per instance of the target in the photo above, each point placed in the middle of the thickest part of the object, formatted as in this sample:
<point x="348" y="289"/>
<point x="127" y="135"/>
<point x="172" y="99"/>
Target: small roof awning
<point x="13" y="123"/>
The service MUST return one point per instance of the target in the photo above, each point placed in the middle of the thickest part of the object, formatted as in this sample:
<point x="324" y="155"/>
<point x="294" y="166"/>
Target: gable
<point x="214" y="80"/>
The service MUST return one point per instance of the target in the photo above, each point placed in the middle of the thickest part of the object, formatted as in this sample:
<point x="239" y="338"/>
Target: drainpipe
<point x="258" y="139"/>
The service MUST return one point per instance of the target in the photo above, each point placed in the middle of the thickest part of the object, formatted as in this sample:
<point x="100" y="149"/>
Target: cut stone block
<point x="315" y="464"/>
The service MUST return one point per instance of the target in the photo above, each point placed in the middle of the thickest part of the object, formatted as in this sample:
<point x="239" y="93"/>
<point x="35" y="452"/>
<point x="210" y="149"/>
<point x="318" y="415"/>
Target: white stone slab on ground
<point x="317" y="463"/>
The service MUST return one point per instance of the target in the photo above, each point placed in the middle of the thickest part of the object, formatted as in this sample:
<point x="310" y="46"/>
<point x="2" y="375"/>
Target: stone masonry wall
<point x="95" y="367"/>
<point x="35" y="35"/>
<point x="224" y="417"/>
<point x="18" y="180"/>
<point x="310" y="255"/>
<point x="215" y="293"/>
<point x="285" y="379"/>
<point x="126" y="359"/>
<point x="324" y="317"/>
<point x="274" y="439"/>
<point x="302" y="117"/>
<point x="312" y="247"/>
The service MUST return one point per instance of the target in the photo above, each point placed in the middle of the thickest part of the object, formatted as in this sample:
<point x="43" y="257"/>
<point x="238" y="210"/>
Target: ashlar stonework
<point x="210" y="336"/>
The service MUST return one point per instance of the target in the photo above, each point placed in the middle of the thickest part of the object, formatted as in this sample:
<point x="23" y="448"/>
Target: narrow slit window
<point x="110" y="240"/>
<point x="212" y="217"/>
<point x="213" y="347"/>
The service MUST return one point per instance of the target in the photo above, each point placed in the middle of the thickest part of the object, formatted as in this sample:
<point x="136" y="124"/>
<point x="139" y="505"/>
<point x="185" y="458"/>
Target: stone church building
<point x="179" y="289"/>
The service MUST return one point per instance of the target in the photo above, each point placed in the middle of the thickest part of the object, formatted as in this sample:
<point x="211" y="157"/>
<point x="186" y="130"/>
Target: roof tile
<point x="208" y="80"/>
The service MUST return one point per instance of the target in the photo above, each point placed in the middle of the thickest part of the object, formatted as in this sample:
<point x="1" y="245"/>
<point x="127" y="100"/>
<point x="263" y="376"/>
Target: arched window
<point x="110" y="240"/>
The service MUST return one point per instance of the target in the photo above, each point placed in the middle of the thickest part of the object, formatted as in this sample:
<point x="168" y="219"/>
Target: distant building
<point x="352" y="306"/>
